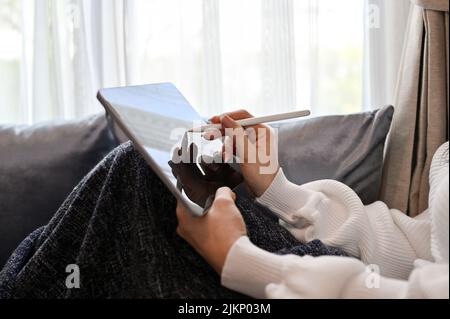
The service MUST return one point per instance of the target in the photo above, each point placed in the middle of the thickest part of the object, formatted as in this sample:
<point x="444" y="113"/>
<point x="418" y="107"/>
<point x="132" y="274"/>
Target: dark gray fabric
<point x="39" y="166"/>
<point x="346" y="148"/>
<point x="118" y="226"/>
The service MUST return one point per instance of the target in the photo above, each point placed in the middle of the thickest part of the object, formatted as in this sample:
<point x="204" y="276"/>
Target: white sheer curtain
<point x="265" y="55"/>
<point x="385" y="28"/>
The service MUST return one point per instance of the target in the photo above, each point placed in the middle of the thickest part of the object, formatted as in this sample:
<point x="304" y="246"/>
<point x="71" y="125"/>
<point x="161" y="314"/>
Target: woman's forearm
<point x="260" y="274"/>
<point x="332" y="212"/>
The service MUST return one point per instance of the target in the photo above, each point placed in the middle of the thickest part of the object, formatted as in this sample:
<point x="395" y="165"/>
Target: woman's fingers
<point x="214" y="134"/>
<point x="225" y="195"/>
<point x="228" y="149"/>
<point x="237" y="137"/>
<point x="183" y="218"/>
<point x="236" y="115"/>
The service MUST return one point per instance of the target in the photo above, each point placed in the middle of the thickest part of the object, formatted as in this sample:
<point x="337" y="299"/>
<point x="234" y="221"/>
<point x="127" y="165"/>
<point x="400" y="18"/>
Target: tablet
<point x="155" y="118"/>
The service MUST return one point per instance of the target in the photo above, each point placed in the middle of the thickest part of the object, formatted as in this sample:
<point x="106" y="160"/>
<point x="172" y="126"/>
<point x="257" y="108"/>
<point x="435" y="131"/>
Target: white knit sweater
<point x="411" y="255"/>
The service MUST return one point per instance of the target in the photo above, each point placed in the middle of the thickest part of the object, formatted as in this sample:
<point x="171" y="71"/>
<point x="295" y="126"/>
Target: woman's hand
<point x="213" y="234"/>
<point x="256" y="149"/>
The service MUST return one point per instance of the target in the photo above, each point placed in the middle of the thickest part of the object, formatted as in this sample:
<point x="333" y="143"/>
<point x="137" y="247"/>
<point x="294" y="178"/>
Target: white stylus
<point x="256" y="120"/>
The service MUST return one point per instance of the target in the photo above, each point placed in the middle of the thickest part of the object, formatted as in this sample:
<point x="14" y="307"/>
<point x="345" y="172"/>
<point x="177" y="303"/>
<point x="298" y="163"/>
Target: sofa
<point x="41" y="164"/>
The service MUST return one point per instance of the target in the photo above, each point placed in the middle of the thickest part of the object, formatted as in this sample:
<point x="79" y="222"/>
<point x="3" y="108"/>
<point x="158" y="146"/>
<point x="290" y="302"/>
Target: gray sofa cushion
<point x="346" y="148"/>
<point x="39" y="166"/>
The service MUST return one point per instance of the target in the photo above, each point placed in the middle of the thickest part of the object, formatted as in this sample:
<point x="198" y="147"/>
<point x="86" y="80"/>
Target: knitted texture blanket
<point x="117" y="228"/>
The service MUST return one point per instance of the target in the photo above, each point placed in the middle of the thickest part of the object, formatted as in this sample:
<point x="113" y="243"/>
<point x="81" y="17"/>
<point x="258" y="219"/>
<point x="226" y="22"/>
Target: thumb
<point x="225" y="193"/>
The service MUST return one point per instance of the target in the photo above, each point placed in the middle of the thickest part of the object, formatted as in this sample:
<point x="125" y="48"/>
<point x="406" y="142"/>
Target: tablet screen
<point x="158" y="117"/>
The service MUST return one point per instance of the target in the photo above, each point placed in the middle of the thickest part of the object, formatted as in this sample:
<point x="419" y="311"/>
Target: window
<point x="265" y="55"/>
<point x="10" y="57"/>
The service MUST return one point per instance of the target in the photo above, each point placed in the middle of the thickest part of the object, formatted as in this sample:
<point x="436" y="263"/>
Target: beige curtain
<point x="420" y="123"/>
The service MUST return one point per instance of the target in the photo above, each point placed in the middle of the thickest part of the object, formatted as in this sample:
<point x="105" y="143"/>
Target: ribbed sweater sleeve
<point x="260" y="274"/>
<point x="330" y="211"/>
